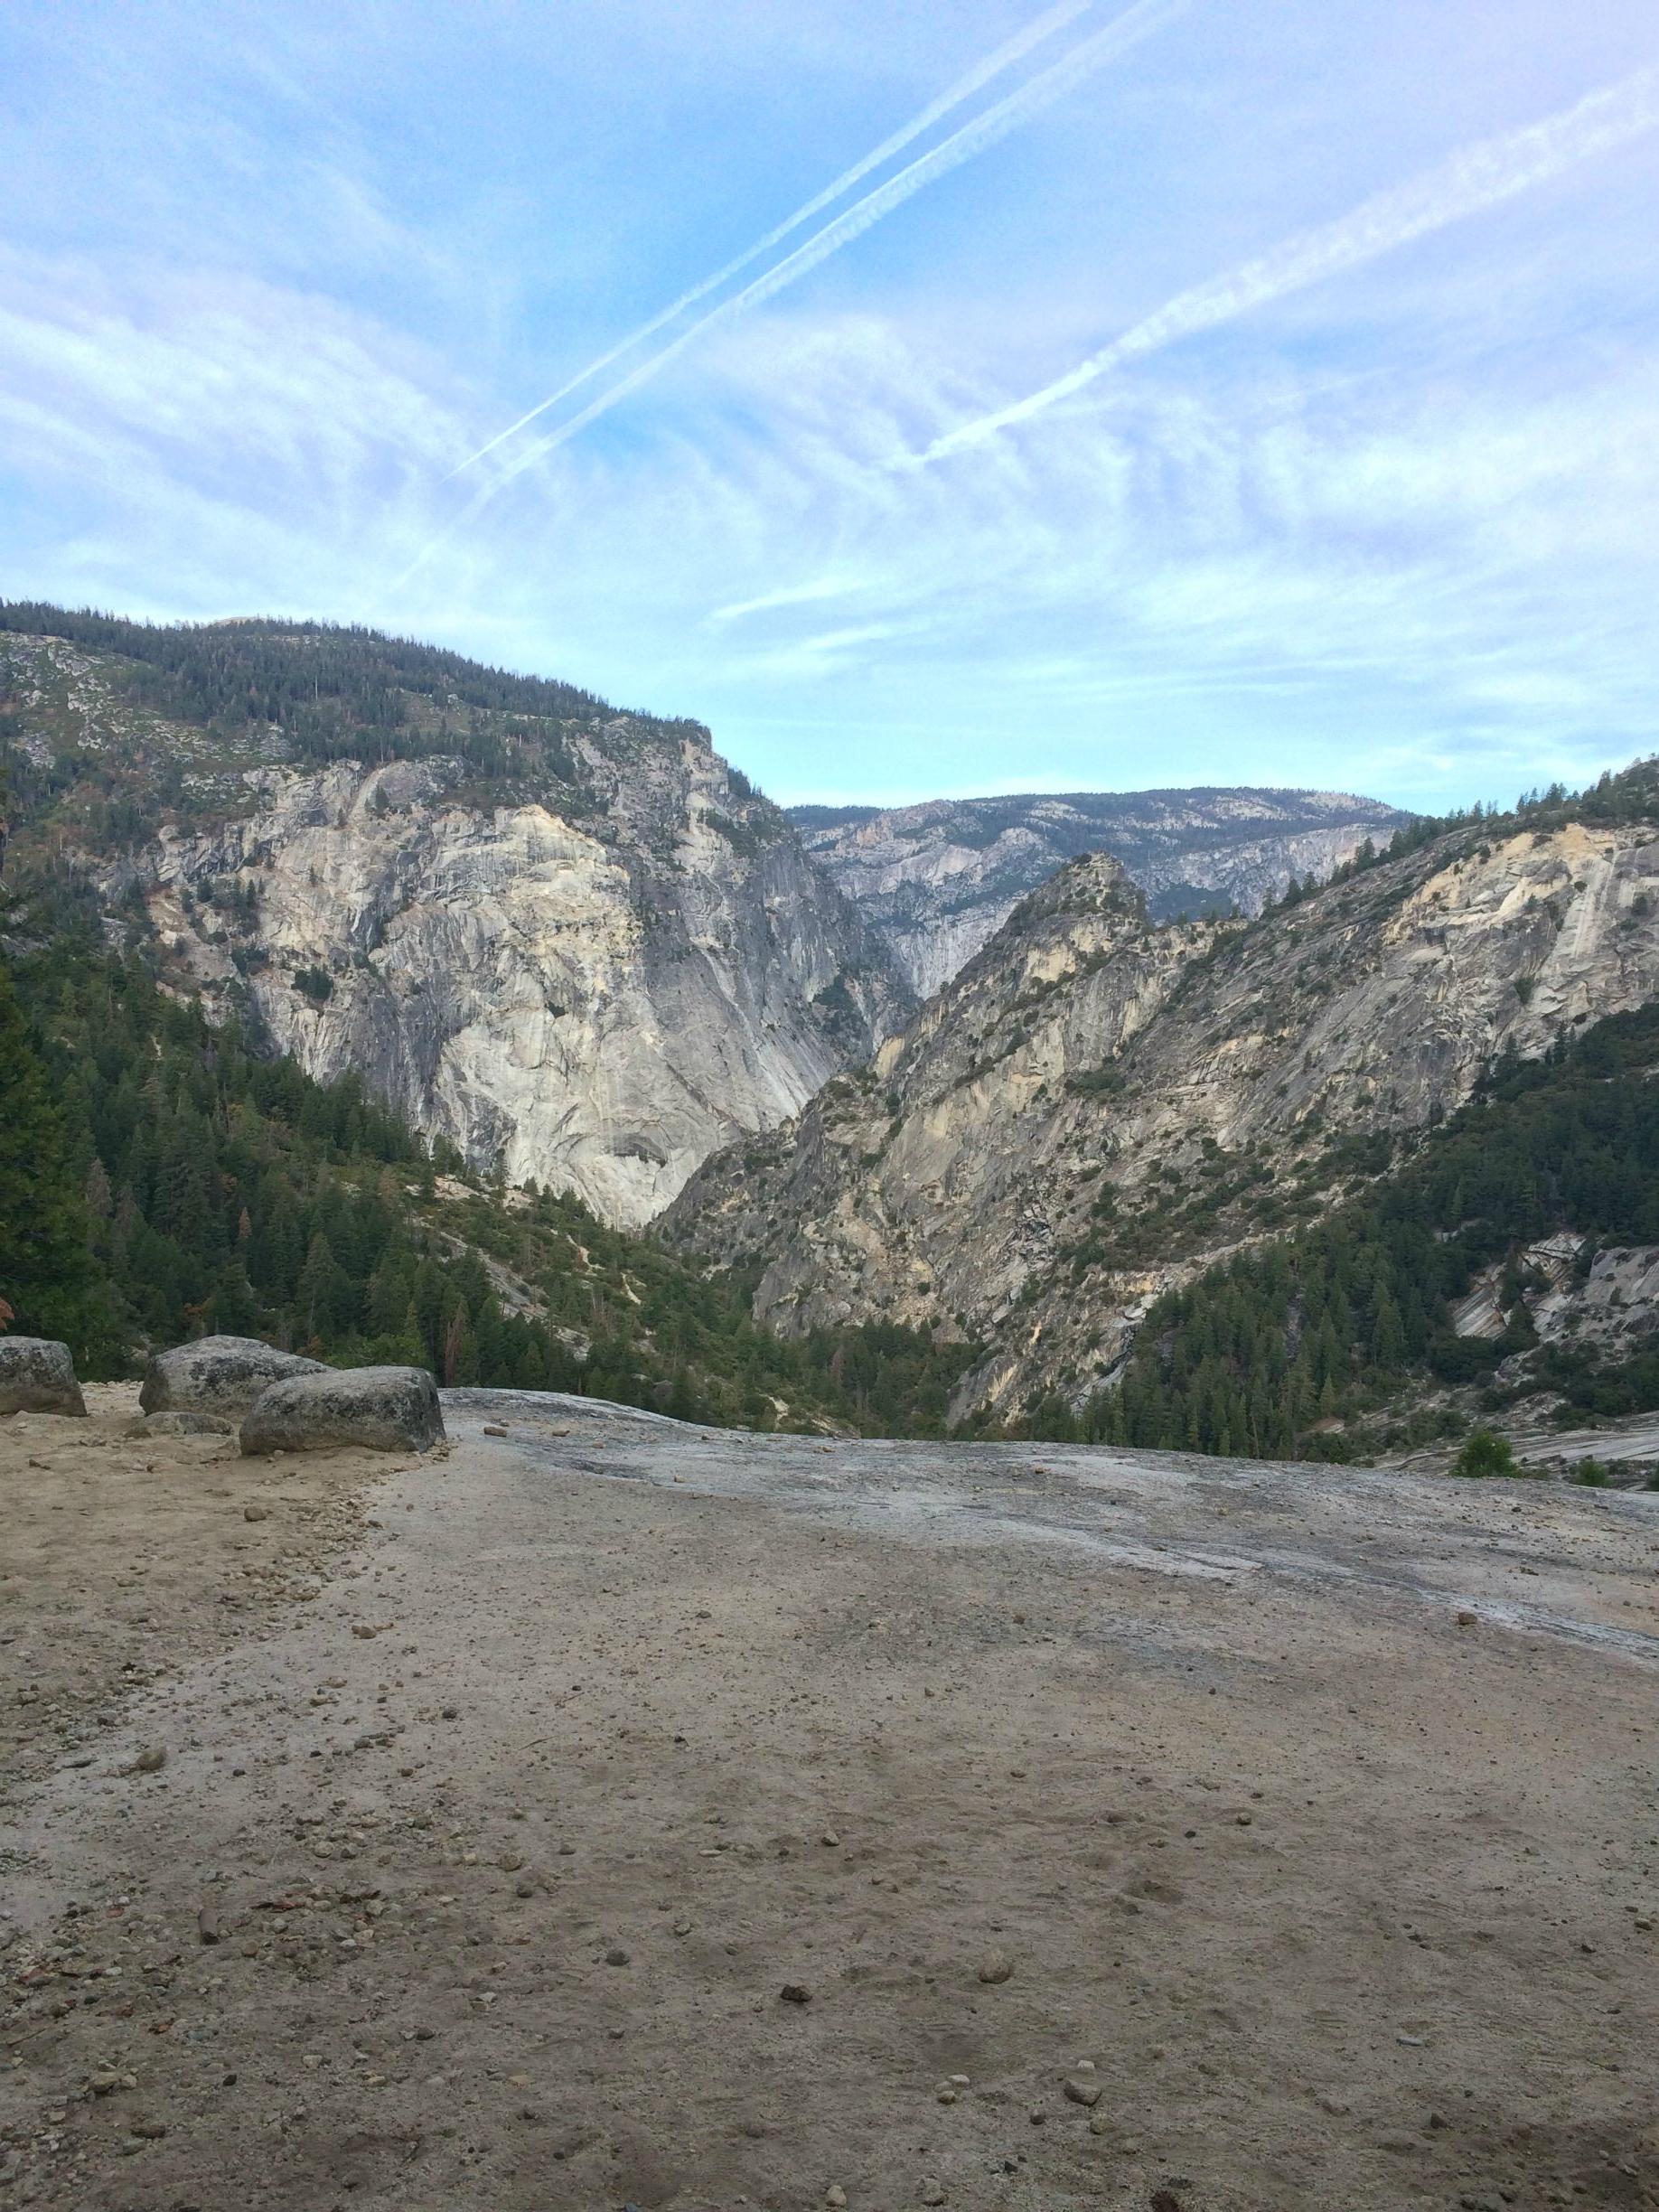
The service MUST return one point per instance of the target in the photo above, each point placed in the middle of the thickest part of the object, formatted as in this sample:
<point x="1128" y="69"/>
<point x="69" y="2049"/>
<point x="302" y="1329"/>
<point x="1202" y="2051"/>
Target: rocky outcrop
<point x="376" y="1408"/>
<point x="936" y="881"/>
<point x="1096" y="1108"/>
<point x="37" y="1375"/>
<point x="581" y="949"/>
<point x="219" y="1376"/>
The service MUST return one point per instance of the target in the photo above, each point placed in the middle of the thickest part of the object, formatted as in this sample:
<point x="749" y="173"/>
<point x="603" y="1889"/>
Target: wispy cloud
<point x="1473" y="179"/>
<point x="985" y="72"/>
<point x="986" y="130"/>
<point x="811" y="594"/>
<point x="973" y="138"/>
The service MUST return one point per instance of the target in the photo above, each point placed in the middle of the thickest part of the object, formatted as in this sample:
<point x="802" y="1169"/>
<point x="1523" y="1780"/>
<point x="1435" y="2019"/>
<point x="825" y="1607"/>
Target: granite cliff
<point x="1096" y="1108"/>
<point x="570" y="940"/>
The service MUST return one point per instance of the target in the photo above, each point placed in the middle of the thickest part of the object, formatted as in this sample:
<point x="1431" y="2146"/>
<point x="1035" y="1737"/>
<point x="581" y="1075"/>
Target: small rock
<point x="616" y="1956"/>
<point x="932" y="2192"/>
<point x="1083" y="2089"/>
<point x="835" y="2195"/>
<point x="996" y="1966"/>
<point x="150" y="1760"/>
<point x="149" y="2130"/>
<point x="1467" y="1619"/>
<point x="795" y="1992"/>
<point x="207" y="1923"/>
<point x="494" y="1428"/>
<point x="255" y="1513"/>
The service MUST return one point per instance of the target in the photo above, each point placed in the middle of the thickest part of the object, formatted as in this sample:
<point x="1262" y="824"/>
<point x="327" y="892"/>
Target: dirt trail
<point x="1132" y="1832"/>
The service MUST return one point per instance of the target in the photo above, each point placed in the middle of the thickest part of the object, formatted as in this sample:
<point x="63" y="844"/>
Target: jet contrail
<point x="982" y="74"/>
<point x="1480" y="176"/>
<point x="985" y="130"/>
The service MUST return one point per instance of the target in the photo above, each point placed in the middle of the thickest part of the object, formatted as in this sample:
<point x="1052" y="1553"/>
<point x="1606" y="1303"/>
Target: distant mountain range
<point x="937" y="880"/>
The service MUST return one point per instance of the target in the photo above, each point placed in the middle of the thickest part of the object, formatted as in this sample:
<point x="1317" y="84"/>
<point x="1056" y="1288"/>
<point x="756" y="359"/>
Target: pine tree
<point x="47" y="1275"/>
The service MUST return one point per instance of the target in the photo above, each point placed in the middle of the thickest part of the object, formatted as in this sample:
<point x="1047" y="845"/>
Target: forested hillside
<point x="161" y="1179"/>
<point x="1323" y="1345"/>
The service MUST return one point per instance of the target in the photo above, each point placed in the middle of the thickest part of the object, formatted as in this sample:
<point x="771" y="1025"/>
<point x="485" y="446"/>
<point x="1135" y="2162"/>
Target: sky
<point x="946" y="395"/>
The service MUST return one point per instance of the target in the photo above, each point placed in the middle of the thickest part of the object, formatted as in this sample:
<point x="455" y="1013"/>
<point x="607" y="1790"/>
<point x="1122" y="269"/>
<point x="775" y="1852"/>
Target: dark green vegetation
<point x="147" y="723"/>
<point x="324" y="686"/>
<point x="1265" y="1354"/>
<point x="1484" y="1454"/>
<point x="159" y="1180"/>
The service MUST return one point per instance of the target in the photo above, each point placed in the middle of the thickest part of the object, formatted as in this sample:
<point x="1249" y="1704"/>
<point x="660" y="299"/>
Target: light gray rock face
<point x="217" y="1375"/>
<point x="937" y="881"/>
<point x="1095" y="1109"/>
<point x="592" y="1001"/>
<point x="37" y="1375"/>
<point x="379" y="1409"/>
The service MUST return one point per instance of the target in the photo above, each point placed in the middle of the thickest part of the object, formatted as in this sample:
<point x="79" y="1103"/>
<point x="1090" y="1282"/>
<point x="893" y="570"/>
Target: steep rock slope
<point x="937" y="881"/>
<point x="571" y="941"/>
<point x="1096" y="1108"/>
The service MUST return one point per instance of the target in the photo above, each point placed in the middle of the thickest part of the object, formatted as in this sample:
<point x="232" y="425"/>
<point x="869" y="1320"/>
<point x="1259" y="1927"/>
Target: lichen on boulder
<point x="379" y="1409"/>
<point x="37" y="1375"/>
<point x="220" y="1375"/>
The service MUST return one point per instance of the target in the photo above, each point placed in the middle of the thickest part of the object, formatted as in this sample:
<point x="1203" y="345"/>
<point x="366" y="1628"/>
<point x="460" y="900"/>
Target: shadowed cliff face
<point x="937" y="881"/>
<point x="589" y="973"/>
<point x="1095" y="1107"/>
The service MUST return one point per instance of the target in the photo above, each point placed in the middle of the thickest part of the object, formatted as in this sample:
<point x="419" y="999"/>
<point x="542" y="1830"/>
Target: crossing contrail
<point x="982" y="73"/>
<point x="984" y="131"/>
<point x="1479" y="177"/>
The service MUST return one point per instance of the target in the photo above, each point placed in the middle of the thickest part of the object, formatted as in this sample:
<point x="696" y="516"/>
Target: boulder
<point x="383" y="1409"/>
<point x="217" y="1374"/>
<point x="38" y="1376"/>
<point x="184" y="1421"/>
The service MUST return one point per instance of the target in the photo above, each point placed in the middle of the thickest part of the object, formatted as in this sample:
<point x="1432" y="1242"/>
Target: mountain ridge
<point x="935" y="880"/>
<point x="1094" y="1110"/>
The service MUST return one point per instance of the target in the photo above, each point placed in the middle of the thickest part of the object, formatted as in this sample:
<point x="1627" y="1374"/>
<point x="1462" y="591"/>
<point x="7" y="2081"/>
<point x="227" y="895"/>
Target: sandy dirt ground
<point x="612" y="1813"/>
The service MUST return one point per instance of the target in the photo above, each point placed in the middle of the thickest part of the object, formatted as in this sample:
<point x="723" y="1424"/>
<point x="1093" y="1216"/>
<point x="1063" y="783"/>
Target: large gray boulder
<point x="383" y="1409"/>
<point x="38" y="1376"/>
<point x="222" y="1375"/>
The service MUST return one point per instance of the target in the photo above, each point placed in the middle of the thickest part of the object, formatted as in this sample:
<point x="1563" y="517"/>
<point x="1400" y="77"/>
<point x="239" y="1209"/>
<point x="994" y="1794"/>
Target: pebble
<point x="835" y="2195"/>
<point x="616" y="1956"/>
<point x="932" y="2192"/>
<point x="494" y="1428"/>
<point x="996" y="1966"/>
<point x="1082" y="2089"/>
<point x="149" y="1761"/>
<point x="1467" y="1619"/>
<point x="830" y="1838"/>
<point x="255" y="1513"/>
<point x="795" y="1992"/>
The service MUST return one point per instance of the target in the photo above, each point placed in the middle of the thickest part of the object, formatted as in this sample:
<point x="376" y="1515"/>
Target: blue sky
<point x="1246" y="394"/>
